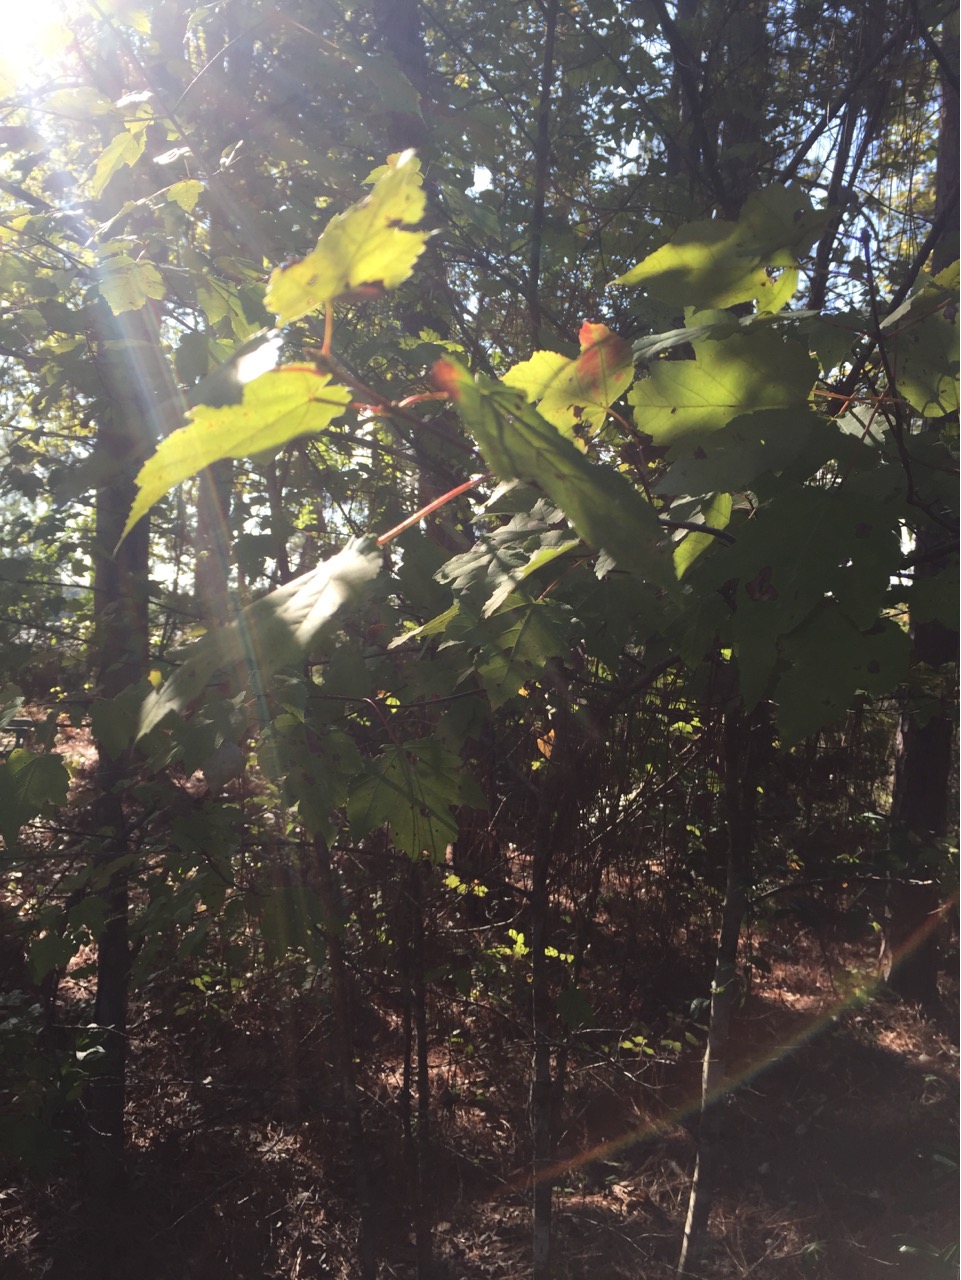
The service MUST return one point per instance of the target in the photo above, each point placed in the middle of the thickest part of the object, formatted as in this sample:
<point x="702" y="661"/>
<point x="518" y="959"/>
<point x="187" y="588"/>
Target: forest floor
<point x="840" y="1159"/>
<point x="840" y="1124"/>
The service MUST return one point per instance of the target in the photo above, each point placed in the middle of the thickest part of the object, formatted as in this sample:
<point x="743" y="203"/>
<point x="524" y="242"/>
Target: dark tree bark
<point x="423" y="1225"/>
<point x="921" y="805"/>
<point x="332" y="907"/>
<point x="542" y="157"/>
<point x="745" y="81"/>
<point x="134" y="380"/>
<point x="417" y="1141"/>
<point x="543" y="1102"/>
<point x="920" y="815"/>
<point x="554" y="827"/>
<point x="742" y="741"/>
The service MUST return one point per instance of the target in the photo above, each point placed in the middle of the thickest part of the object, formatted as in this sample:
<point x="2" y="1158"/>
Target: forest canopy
<point x="478" y="485"/>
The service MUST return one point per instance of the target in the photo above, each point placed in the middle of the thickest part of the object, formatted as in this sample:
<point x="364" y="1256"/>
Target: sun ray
<point x="35" y="37"/>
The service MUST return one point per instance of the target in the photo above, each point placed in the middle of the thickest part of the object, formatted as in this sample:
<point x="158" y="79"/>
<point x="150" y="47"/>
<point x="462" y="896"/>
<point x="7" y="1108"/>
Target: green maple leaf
<point x="517" y="644"/>
<point x="730" y="376"/>
<point x="185" y="193"/>
<point x="518" y="444"/>
<point x="413" y="788"/>
<point x="806" y="544"/>
<point x="78" y="104"/>
<point x="123" y="150"/>
<point x="731" y="458"/>
<point x="368" y="248"/>
<point x="273" y="632"/>
<point x="716" y="513"/>
<point x="830" y="662"/>
<point x="315" y="769"/>
<point x="922" y="337"/>
<point x="291" y="401"/>
<point x="28" y="784"/>
<point x="128" y="283"/>
<point x="577" y="393"/>
<point x="719" y="264"/>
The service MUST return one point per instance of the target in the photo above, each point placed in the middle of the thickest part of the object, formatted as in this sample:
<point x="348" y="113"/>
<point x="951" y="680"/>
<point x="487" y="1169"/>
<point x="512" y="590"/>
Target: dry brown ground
<point x="840" y="1145"/>
<point x="841" y="1127"/>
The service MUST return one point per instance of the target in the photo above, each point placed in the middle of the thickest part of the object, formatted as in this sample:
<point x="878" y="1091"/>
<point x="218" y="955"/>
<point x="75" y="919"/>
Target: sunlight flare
<point x="34" y="38"/>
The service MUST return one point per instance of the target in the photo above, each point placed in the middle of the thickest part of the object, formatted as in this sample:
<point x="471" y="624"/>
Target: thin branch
<point x="949" y="71"/>
<point x="721" y="534"/>
<point x="895" y="41"/>
<point x="931" y="555"/>
<point x="931" y="240"/>
<point x="429" y="510"/>
<point x="684" y="62"/>
<point x="541" y="161"/>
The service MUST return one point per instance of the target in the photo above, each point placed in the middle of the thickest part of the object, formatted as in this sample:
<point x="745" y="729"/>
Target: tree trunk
<point x="542" y="1084"/>
<point x="920" y="814"/>
<point x="133" y="378"/>
<point x="416" y="1067"/>
<point x="332" y="908"/>
<point x="921" y="805"/>
<point x="556" y="820"/>
<point x="740" y="772"/>
<point x="423" y="1225"/>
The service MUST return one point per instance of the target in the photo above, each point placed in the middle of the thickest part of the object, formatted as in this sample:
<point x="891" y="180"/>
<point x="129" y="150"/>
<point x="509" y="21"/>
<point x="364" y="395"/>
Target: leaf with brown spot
<point x="579" y="392"/>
